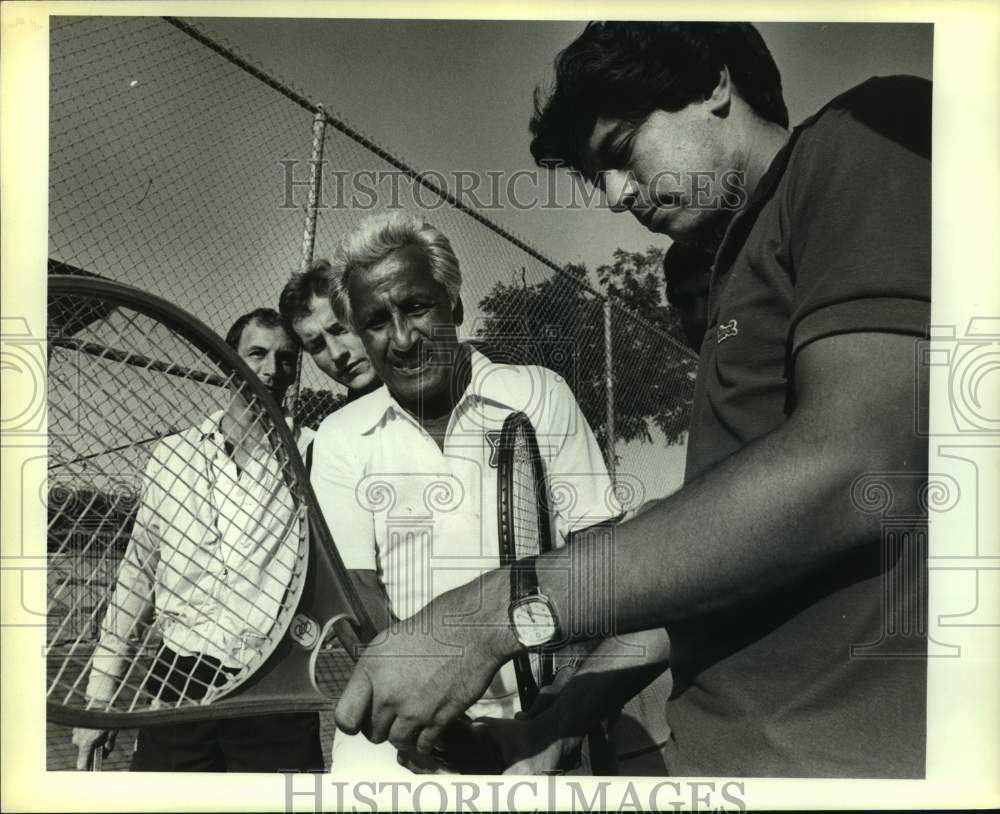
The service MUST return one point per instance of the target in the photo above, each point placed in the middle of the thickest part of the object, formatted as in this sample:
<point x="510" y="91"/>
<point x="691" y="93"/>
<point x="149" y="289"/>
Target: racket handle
<point x="603" y="756"/>
<point x="343" y="628"/>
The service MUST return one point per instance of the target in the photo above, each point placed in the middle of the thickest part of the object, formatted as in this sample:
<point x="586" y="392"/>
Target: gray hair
<point x="378" y="236"/>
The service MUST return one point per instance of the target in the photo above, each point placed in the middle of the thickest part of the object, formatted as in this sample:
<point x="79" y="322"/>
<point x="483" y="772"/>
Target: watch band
<point x="523" y="579"/>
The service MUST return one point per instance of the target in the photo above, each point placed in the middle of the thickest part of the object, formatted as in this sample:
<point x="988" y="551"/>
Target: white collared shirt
<point x="209" y="558"/>
<point x="426" y="520"/>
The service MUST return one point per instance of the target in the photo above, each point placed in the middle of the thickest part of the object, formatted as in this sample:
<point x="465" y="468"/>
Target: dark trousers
<point x="261" y="743"/>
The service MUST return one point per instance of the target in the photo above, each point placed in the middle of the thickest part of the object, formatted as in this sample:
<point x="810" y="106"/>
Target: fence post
<point x="609" y="387"/>
<point x="315" y="180"/>
<point x="309" y="233"/>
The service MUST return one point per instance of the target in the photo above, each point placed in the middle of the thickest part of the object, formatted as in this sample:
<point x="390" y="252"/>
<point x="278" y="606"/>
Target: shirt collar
<point x="482" y="385"/>
<point x="212" y="425"/>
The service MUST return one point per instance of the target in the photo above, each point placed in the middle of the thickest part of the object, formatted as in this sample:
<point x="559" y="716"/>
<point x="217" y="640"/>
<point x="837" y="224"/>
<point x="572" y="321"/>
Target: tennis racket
<point x="525" y="529"/>
<point x="157" y="610"/>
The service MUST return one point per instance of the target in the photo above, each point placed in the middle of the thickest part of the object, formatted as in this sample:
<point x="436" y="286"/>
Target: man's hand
<point x="88" y="741"/>
<point x="428" y="669"/>
<point x="466" y="747"/>
<point x="537" y="741"/>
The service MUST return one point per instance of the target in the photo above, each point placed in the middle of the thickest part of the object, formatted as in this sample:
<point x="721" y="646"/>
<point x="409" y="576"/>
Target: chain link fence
<point x="178" y="166"/>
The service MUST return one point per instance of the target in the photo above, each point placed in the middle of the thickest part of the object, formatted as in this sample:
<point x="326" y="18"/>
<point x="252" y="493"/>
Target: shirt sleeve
<point x="581" y="491"/>
<point x="858" y="215"/>
<point x="132" y="601"/>
<point x="336" y="476"/>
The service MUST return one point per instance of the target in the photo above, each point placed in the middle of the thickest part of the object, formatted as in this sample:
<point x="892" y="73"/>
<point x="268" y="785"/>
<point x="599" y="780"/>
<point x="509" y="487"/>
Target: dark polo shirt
<point x="835" y="239"/>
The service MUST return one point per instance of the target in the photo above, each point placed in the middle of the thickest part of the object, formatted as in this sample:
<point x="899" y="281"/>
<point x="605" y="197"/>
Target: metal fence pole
<point x="309" y="231"/>
<point x="609" y="387"/>
<point x="315" y="180"/>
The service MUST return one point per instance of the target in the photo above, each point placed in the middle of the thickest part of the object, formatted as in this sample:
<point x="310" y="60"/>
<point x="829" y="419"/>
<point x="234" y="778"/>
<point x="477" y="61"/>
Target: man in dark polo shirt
<point x="687" y="270"/>
<point x="797" y="622"/>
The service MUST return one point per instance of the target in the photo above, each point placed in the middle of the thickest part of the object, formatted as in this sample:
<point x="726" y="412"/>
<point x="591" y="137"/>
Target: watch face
<point x="534" y="622"/>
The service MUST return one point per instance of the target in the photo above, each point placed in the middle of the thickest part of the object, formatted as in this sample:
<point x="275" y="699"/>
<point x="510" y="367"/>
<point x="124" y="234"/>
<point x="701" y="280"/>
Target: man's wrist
<point x="496" y="604"/>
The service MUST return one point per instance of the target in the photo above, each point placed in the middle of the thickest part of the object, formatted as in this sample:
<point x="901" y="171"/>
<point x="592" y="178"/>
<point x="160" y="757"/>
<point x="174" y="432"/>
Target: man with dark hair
<point x="797" y="624"/>
<point x="334" y="347"/>
<point x="217" y="473"/>
<point x="687" y="270"/>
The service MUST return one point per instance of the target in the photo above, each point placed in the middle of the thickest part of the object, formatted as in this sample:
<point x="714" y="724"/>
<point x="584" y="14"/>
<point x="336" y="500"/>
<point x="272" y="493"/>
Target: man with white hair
<point x="407" y="475"/>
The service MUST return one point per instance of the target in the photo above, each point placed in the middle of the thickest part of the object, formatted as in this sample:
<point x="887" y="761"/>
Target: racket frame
<point x="284" y="681"/>
<point x="527" y="685"/>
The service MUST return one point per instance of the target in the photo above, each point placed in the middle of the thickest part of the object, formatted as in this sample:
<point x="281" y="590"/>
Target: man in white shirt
<point x="406" y="476"/>
<point x="208" y="558"/>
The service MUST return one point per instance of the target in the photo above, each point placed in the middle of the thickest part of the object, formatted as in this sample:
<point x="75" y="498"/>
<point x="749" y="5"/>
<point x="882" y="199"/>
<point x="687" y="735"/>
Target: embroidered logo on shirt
<point x="493" y="439"/>
<point x="726" y="330"/>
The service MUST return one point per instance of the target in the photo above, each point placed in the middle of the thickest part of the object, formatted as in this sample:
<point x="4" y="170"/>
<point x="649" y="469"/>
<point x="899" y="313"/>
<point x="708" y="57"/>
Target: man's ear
<point x="721" y="96"/>
<point x="458" y="311"/>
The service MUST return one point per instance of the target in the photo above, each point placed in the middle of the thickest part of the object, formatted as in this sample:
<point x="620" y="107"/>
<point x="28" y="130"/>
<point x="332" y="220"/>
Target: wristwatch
<point x="533" y="617"/>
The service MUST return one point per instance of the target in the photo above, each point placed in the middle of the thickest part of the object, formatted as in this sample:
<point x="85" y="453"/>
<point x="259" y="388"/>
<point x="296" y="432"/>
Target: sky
<point x="456" y="95"/>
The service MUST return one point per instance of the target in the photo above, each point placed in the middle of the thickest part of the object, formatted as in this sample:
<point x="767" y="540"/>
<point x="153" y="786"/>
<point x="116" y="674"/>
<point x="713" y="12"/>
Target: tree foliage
<point x="559" y="323"/>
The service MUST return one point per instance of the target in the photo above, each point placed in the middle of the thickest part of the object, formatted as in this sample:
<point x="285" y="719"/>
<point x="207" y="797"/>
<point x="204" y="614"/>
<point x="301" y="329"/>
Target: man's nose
<point x="401" y="334"/>
<point x="621" y="190"/>
<point x="266" y="370"/>
<point x="338" y="351"/>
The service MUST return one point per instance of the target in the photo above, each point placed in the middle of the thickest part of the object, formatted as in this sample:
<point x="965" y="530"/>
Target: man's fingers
<point x="421" y="764"/>
<point x="87" y="741"/>
<point x="83" y="758"/>
<point x="109" y="741"/>
<point x="403" y="734"/>
<point x="354" y="708"/>
<point x="427" y="739"/>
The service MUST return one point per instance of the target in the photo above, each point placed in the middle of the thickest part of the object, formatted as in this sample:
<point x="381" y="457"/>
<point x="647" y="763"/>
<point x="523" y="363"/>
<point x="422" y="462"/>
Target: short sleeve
<point x="335" y="476"/>
<point x="858" y="214"/>
<point x="581" y="490"/>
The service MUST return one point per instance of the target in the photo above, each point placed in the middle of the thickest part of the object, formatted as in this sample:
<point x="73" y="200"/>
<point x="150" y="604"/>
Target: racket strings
<point x="525" y="498"/>
<point x="247" y="518"/>
<point x="125" y="393"/>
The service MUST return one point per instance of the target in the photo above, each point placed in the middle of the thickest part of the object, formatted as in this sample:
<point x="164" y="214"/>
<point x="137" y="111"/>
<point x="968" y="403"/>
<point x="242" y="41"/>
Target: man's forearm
<point x="781" y="509"/>
<point x="777" y="510"/>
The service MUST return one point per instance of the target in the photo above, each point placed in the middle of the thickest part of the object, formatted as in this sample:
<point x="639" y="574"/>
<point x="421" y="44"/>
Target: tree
<point x="559" y="323"/>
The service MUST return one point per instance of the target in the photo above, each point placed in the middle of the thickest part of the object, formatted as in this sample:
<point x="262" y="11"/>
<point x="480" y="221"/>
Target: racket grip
<point x="344" y="630"/>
